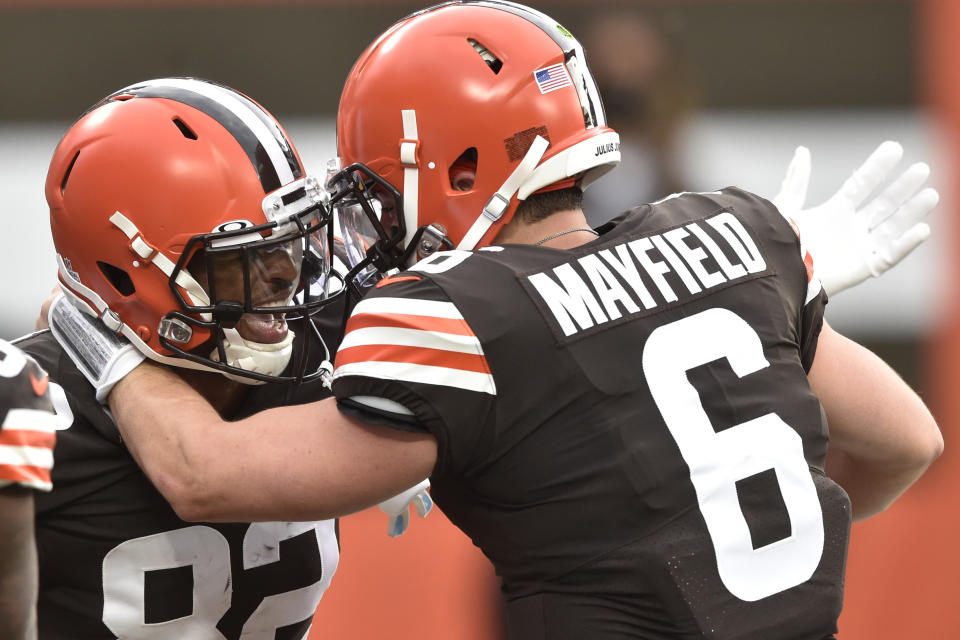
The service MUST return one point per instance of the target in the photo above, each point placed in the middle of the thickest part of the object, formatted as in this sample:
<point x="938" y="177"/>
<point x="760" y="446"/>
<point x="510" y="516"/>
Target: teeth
<point x="278" y="303"/>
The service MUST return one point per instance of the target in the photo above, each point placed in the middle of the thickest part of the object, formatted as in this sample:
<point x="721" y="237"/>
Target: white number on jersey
<point x="718" y="460"/>
<point x="208" y="553"/>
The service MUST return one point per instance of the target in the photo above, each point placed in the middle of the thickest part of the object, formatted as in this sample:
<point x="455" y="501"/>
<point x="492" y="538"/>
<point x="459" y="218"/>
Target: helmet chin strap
<point x="498" y="204"/>
<point x="409" y="158"/>
<point x="151" y="255"/>
<point x="492" y="211"/>
<point x="258" y="357"/>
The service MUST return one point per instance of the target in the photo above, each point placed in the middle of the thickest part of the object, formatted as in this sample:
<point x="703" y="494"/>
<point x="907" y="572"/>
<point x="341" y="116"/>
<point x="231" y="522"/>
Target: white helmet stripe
<point x="230" y="108"/>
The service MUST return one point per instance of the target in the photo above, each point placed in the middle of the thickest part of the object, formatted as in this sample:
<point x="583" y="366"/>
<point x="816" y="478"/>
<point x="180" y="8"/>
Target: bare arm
<point x="306" y="462"/>
<point x="882" y="437"/>
<point x="18" y="565"/>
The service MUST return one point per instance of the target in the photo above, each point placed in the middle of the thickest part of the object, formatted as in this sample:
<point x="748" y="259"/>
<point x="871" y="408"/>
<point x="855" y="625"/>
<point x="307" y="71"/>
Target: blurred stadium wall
<point x="751" y="80"/>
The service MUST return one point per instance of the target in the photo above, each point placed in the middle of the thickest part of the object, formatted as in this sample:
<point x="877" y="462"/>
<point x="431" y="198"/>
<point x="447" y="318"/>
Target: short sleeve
<point x="408" y="343"/>
<point x="28" y="428"/>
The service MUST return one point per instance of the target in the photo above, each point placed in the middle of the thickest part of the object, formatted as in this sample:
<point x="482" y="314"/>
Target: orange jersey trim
<point x="39" y="386"/>
<point x="808" y="263"/>
<point x="24" y="474"/>
<point x="393" y="279"/>
<point x="413" y="355"/>
<point x="28" y="438"/>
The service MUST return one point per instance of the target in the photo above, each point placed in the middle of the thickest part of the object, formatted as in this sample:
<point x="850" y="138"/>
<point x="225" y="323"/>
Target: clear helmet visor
<point x="268" y="272"/>
<point x="366" y="217"/>
<point x="358" y="235"/>
<point x="316" y="277"/>
<point x="273" y="272"/>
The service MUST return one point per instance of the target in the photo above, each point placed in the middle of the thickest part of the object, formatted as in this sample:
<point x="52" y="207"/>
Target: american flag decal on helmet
<point x="552" y="78"/>
<point x="421" y="341"/>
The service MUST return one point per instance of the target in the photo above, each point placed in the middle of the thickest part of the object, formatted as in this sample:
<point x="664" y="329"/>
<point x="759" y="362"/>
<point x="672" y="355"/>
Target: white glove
<point x="398" y="507"/>
<point x="850" y="238"/>
<point x="101" y="355"/>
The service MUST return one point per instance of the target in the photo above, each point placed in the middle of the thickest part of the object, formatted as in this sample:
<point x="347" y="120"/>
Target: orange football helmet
<point x="183" y="218"/>
<point x="450" y="118"/>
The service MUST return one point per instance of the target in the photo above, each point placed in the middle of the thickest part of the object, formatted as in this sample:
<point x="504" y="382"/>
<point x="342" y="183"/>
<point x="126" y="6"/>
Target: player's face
<point x="274" y="273"/>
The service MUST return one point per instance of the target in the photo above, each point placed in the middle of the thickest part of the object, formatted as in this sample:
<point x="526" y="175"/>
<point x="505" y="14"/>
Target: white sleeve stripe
<point x="813" y="283"/>
<point x="30" y="420"/>
<point x="26" y="456"/>
<point x="813" y="288"/>
<point x="408" y="306"/>
<point x="383" y="404"/>
<point x="412" y="338"/>
<point x="426" y="374"/>
<point x="40" y="485"/>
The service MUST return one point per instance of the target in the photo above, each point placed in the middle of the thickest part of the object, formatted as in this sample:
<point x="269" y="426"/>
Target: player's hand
<point x="101" y="355"/>
<point x="42" y="322"/>
<point x="398" y="507"/>
<point x="853" y="236"/>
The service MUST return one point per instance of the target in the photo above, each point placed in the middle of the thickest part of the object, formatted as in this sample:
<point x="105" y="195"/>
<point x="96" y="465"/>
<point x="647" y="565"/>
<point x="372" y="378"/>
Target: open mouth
<point x="265" y="328"/>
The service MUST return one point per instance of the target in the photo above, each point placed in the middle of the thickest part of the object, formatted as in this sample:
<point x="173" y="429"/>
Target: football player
<point x="647" y="427"/>
<point x="184" y="222"/>
<point x="27" y="437"/>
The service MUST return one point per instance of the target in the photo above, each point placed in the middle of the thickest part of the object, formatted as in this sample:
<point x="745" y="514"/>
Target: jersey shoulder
<point x="82" y="421"/>
<point x="775" y="233"/>
<point x="684" y="207"/>
<point x="408" y="329"/>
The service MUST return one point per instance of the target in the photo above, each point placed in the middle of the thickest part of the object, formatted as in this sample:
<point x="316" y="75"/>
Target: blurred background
<point x="705" y="93"/>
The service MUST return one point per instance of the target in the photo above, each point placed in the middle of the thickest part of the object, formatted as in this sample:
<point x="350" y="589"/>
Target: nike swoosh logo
<point x="39" y="386"/>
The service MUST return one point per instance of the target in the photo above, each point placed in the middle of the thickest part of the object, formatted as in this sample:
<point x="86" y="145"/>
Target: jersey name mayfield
<point x="584" y="293"/>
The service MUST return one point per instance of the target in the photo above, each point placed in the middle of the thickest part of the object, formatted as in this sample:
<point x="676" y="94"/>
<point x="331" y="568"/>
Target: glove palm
<point x="851" y="236"/>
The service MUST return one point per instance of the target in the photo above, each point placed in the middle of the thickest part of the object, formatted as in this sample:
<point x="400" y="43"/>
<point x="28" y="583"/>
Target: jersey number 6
<point x="718" y="460"/>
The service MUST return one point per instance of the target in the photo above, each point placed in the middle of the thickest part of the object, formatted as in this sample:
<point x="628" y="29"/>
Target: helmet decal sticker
<point x="233" y="225"/>
<point x="564" y="32"/>
<point x="552" y="78"/>
<point x="519" y="143"/>
<point x="73" y="274"/>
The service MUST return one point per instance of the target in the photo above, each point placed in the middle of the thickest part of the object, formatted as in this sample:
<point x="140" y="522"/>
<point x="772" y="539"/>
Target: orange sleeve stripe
<point x="793" y="224"/>
<point x="456" y="326"/>
<point x="27" y="438"/>
<point x="808" y="263"/>
<point x="413" y="355"/>
<point x="24" y="474"/>
<point x="393" y="279"/>
<point x="807" y="258"/>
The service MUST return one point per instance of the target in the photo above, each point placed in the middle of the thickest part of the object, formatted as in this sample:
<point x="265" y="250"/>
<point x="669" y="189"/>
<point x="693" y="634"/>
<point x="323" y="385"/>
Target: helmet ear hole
<point x="463" y="171"/>
<point x="118" y="278"/>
